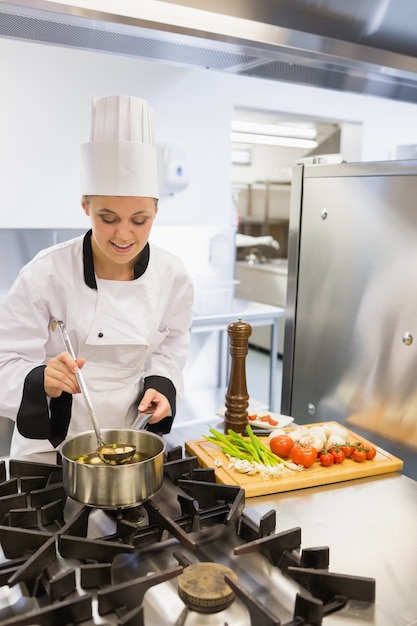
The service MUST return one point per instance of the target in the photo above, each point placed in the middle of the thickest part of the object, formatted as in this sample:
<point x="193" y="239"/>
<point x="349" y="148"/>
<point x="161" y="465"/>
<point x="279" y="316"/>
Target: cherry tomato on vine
<point x="359" y="455"/>
<point x="304" y="455"/>
<point x="347" y="449"/>
<point x="281" y="445"/>
<point x="326" y="459"/>
<point x="338" y="454"/>
<point x="370" y="453"/>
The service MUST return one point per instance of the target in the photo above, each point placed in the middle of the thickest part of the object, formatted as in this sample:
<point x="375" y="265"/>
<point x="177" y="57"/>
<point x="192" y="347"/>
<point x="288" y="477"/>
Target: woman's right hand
<point x="59" y="375"/>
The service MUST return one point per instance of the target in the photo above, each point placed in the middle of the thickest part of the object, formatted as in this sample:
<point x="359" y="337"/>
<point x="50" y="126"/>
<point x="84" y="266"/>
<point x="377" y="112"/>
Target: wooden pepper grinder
<point x="237" y="398"/>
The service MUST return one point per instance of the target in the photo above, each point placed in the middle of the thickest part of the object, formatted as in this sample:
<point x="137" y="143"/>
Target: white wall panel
<point x="44" y="117"/>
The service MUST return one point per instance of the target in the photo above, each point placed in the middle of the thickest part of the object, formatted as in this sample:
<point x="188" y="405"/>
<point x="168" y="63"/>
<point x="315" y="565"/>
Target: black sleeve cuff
<point x="33" y="420"/>
<point x="166" y="387"/>
<point x="33" y="416"/>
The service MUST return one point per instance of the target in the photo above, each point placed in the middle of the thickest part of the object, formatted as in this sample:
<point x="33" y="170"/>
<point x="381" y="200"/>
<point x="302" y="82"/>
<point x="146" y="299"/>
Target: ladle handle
<point x="80" y="379"/>
<point x="141" y="420"/>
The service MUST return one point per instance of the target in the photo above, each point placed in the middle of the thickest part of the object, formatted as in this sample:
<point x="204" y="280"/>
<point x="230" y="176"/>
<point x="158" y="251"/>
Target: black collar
<point x="89" y="275"/>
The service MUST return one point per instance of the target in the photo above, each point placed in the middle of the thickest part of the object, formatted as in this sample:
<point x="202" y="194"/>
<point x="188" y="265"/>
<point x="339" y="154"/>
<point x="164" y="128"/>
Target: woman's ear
<point x="86" y="205"/>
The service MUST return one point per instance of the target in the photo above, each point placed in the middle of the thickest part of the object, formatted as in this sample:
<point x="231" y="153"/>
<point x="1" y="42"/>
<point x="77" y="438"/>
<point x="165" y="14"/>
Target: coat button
<point x="100" y="335"/>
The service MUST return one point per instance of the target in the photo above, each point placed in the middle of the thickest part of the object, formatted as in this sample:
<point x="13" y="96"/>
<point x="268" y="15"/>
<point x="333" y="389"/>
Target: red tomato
<point x="347" y="449"/>
<point x="326" y="459"/>
<point x="370" y="453"/>
<point x="281" y="445"/>
<point x="359" y="455"/>
<point x="252" y="418"/>
<point x="338" y="454"/>
<point x="272" y="422"/>
<point x="303" y="454"/>
<point x="264" y="418"/>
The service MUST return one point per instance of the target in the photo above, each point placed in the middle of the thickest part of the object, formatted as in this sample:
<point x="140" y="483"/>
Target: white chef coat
<point x="126" y="331"/>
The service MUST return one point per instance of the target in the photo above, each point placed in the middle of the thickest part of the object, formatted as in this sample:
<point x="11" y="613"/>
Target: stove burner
<point x="63" y="564"/>
<point x="202" y="587"/>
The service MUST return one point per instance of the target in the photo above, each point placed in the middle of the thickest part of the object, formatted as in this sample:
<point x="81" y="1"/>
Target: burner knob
<point x="237" y="398"/>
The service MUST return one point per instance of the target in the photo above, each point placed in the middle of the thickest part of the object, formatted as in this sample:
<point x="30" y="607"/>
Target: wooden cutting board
<point x="207" y="453"/>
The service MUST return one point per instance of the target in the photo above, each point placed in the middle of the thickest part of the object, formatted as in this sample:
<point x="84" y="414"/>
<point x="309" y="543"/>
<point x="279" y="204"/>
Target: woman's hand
<point x="156" y="403"/>
<point x="59" y="375"/>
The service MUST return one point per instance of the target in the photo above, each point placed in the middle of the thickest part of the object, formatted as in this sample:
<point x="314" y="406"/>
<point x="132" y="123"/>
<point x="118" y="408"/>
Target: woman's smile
<point x="121" y="227"/>
<point x="122" y="247"/>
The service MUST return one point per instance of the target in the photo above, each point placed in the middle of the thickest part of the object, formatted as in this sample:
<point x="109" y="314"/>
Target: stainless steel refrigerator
<point x="350" y="347"/>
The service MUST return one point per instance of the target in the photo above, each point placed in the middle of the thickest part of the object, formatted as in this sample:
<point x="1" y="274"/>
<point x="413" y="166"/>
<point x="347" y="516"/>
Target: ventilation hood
<point x="360" y="47"/>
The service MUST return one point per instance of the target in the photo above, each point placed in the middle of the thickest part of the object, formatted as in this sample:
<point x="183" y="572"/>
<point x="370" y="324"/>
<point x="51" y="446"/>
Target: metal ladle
<point x="105" y="451"/>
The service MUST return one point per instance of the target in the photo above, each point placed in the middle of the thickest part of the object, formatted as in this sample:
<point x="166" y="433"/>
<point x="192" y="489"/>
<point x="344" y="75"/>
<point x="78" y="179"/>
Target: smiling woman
<point x="127" y="304"/>
<point x="120" y="231"/>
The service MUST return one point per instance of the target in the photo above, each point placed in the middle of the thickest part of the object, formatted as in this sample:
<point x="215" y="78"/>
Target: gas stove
<point x="190" y="555"/>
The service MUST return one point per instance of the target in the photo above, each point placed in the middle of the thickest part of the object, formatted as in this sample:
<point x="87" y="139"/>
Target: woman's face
<point x="121" y="227"/>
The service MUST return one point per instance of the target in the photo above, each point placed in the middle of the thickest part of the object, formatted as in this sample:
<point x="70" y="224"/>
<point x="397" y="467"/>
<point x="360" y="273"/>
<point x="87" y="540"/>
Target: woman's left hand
<point x="156" y="403"/>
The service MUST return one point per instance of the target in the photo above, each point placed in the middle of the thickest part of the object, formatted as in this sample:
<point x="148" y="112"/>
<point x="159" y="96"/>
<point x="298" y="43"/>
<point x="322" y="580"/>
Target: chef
<point x="126" y="303"/>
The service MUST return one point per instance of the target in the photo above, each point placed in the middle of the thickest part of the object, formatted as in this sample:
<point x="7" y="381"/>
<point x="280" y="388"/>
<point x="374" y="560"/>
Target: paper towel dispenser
<point x="172" y="170"/>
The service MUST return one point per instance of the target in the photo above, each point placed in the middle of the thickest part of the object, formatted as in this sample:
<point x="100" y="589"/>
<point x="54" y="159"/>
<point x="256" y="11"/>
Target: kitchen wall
<point x="45" y="116"/>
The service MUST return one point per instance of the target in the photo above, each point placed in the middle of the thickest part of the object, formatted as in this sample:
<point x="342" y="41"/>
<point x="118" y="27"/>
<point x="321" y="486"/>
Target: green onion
<point x="252" y="449"/>
<point x="237" y="446"/>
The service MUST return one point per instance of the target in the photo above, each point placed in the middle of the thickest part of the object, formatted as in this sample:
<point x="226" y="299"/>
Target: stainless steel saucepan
<point x="113" y="486"/>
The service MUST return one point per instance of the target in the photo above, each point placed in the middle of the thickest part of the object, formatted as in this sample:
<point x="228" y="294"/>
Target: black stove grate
<point x="61" y="571"/>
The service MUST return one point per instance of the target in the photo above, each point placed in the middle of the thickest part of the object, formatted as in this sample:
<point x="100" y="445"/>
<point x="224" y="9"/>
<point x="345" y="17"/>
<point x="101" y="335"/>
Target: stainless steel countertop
<point x="369" y="525"/>
<point x="256" y="313"/>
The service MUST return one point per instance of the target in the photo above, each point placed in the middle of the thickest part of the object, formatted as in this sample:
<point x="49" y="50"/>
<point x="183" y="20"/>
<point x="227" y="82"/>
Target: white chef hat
<point x="120" y="159"/>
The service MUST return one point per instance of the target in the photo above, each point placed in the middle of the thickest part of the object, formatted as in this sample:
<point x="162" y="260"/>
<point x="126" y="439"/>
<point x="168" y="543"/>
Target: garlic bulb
<point x="335" y="429"/>
<point x="335" y="440"/>
<point x="314" y="440"/>
<point x="276" y="432"/>
<point x="320" y="431"/>
<point x="299" y="432"/>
